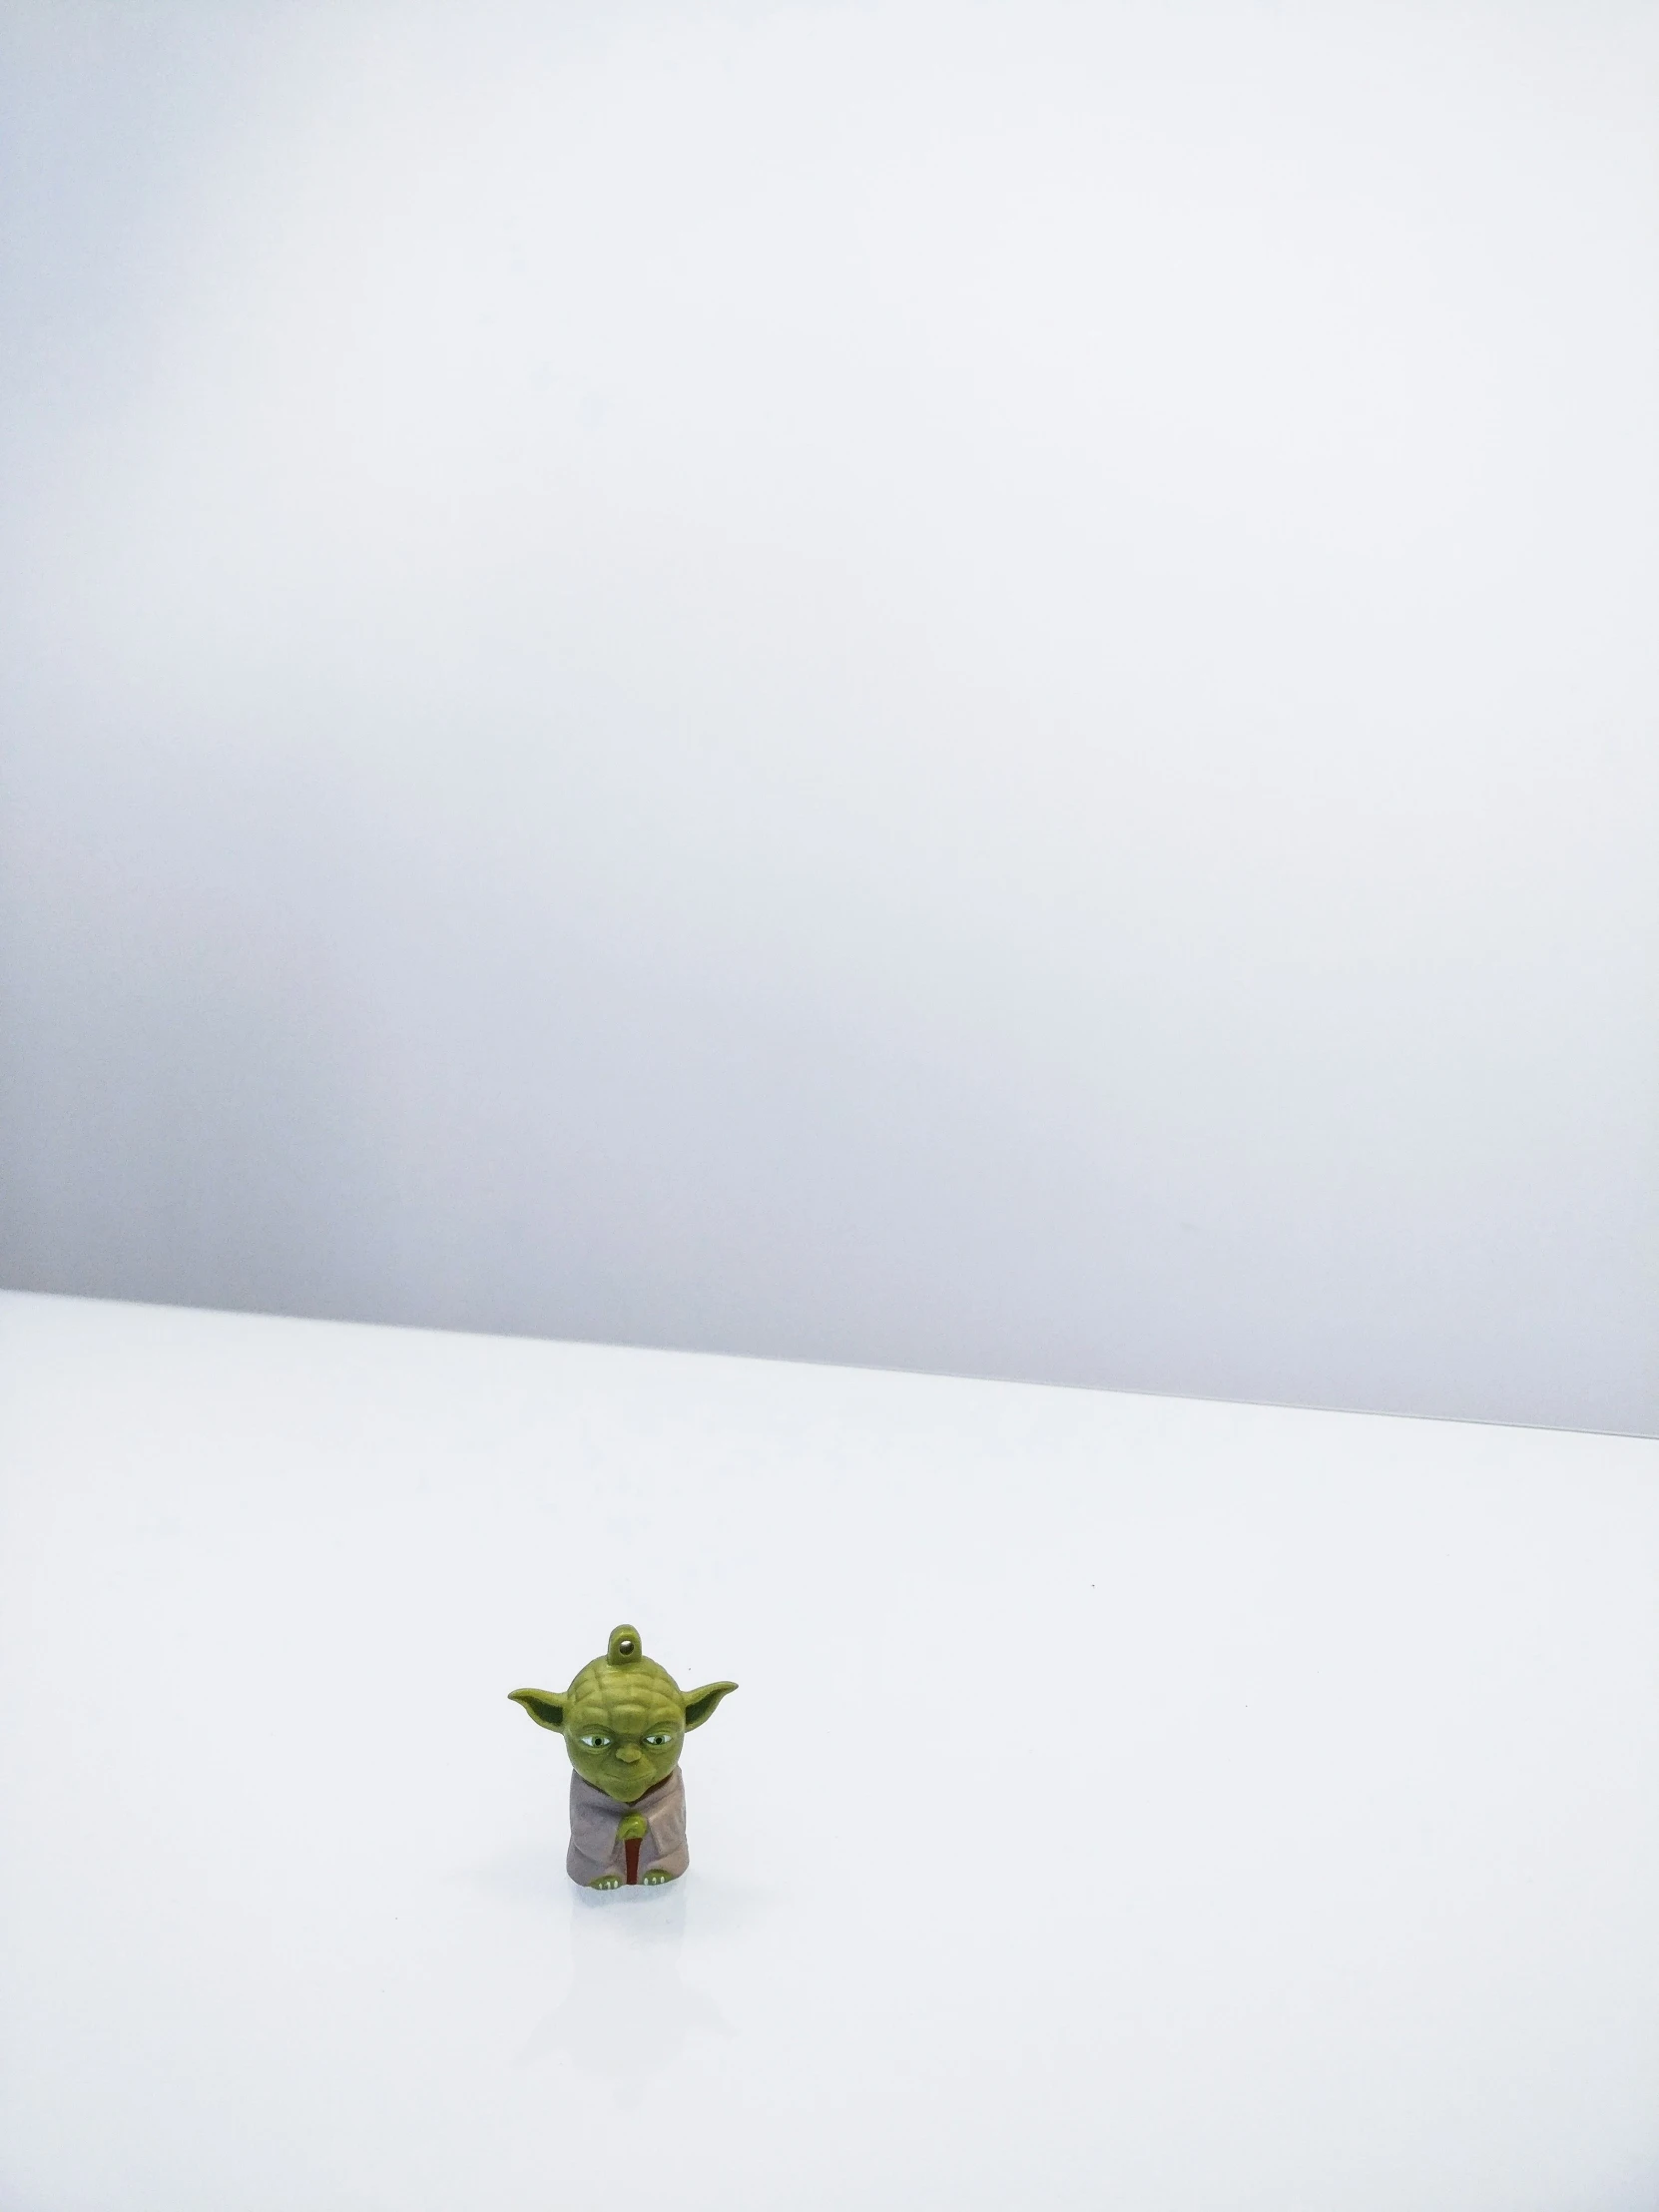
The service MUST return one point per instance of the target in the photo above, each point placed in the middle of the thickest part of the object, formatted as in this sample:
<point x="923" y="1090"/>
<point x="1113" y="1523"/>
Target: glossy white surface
<point x="1166" y="1806"/>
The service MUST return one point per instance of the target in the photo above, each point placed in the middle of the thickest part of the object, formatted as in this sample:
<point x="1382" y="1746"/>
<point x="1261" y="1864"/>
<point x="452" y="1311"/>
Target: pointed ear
<point x="545" y="1708"/>
<point x="701" y="1703"/>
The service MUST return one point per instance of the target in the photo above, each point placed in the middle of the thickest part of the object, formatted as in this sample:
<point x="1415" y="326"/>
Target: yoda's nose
<point x="628" y="1753"/>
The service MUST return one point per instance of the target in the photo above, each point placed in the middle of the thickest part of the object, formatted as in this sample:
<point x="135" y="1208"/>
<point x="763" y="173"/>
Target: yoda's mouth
<point x="630" y="1781"/>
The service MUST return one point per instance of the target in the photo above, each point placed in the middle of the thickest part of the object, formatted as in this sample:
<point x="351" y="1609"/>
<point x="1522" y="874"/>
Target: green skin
<point x="624" y="1721"/>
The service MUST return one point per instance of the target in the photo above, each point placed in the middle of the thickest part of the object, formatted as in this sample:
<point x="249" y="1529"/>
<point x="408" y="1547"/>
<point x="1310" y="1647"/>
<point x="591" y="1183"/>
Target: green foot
<point x="607" y="1882"/>
<point x="656" y="1878"/>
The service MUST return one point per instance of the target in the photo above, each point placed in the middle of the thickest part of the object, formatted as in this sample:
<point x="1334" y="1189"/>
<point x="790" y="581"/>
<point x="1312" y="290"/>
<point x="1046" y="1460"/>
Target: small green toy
<point x="623" y="1721"/>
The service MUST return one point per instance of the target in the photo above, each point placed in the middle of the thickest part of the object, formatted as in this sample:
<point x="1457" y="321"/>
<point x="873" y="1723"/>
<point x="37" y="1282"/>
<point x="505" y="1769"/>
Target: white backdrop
<point x="956" y="687"/>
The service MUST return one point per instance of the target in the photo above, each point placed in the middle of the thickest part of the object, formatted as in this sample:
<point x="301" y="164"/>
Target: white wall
<point x="969" y="687"/>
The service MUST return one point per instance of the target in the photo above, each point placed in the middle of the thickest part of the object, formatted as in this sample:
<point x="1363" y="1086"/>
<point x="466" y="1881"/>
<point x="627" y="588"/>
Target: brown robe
<point x="595" y="1847"/>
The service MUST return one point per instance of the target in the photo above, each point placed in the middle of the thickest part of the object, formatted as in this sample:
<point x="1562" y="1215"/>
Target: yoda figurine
<point x="623" y="1721"/>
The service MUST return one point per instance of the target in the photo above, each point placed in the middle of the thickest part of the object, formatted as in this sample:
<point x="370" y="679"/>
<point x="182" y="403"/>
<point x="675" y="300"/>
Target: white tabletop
<point x="1127" y="1802"/>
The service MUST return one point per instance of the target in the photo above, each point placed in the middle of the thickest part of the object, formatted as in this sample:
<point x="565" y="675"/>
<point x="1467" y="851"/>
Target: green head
<point x="624" y="1718"/>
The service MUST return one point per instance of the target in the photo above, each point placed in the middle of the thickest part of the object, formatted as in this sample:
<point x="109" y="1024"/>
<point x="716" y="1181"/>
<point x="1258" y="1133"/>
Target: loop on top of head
<point x="623" y="1646"/>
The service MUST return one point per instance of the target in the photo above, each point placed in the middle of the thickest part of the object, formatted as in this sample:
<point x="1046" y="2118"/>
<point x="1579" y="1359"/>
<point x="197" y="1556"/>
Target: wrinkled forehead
<point x="629" y="1703"/>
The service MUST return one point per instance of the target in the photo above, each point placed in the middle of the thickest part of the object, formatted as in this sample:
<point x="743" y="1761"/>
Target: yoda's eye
<point x="663" y="1736"/>
<point x="595" y="1743"/>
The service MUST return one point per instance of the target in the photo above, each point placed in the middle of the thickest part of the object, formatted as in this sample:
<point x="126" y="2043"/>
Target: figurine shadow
<point x="627" y="2013"/>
